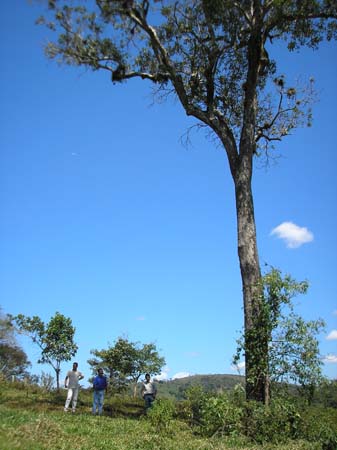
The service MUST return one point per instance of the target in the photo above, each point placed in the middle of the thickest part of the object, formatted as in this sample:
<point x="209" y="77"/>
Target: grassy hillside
<point x="32" y="419"/>
<point x="26" y="430"/>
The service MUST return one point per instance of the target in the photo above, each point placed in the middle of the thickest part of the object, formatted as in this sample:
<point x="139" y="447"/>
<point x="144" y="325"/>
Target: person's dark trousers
<point x="149" y="399"/>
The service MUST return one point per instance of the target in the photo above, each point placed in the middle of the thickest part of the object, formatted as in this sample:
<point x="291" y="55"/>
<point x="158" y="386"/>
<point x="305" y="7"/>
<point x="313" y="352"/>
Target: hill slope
<point x="210" y="383"/>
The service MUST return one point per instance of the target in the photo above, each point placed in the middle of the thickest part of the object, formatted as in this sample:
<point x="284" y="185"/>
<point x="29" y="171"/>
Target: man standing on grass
<point x="100" y="386"/>
<point x="149" y="392"/>
<point x="71" y="383"/>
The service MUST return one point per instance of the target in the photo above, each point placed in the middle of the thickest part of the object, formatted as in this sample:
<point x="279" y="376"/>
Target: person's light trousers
<point x="71" y="397"/>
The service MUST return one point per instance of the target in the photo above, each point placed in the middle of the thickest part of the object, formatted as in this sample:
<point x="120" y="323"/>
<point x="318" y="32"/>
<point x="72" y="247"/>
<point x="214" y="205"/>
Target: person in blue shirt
<point x="100" y="386"/>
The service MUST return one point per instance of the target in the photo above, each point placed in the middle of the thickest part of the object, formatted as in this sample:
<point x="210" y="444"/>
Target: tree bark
<point x="256" y="345"/>
<point x="256" y="342"/>
<point x="58" y="379"/>
<point x="135" y="388"/>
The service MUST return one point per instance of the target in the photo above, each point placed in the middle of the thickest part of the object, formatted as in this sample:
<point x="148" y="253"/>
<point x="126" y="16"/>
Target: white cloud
<point x="293" y="235"/>
<point x="332" y="336"/>
<point x="335" y="312"/>
<point x="330" y="359"/>
<point x="140" y="318"/>
<point x="163" y="375"/>
<point x="181" y="375"/>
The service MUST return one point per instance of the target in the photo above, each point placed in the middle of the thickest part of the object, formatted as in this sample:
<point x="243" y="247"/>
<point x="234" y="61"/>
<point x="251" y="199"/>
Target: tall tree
<point x="216" y="57"/>
<point x="126" y="361"/>
<point x="55" y="339"/>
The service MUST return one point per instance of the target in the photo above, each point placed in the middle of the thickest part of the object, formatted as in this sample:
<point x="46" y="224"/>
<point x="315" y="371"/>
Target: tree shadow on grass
<point x="114" y="411"/>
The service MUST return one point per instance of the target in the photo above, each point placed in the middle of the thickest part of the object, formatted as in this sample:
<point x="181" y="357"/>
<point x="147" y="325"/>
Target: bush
<point x="285" y="420"/>
<point x="320" y="425"/>
<point x="220" y="416"/>
<point x="190" y="408"/>
<point x="278" y="422"/>
<point x="46" y="381"/>
<point x="161" y="414"/>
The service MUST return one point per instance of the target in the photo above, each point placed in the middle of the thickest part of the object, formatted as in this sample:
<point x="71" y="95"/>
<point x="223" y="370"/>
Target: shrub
<point x="278" y="422"/>
<point x="161" y="414"/>
<point x="190" y="408"/>
<point x="320" y="425"/>
<point x="220" y="416"/>
<point x="46" y="381"/>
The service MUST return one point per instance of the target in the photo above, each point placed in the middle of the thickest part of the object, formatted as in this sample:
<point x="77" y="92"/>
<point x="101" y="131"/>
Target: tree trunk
<point x="58" y="379"/>
<point x="256" y="344"/>
<point x="135" y="389"/>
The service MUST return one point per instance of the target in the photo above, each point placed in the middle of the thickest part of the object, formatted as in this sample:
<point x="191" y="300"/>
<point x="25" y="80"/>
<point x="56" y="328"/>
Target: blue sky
<point x="107" y="218"/>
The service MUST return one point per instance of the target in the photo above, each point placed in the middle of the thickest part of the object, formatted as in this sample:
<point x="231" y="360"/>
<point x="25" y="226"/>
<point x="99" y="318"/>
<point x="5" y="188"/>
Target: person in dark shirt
<point x="100" y="386"/>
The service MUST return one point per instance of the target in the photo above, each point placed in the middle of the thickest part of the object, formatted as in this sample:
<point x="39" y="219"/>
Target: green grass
<point x="29" y="430"/>
<point x="33" y="420"/>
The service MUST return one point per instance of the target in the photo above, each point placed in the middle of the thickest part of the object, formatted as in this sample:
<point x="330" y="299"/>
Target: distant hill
<point x="176" y="388"/>
<point x="326" y="394"/>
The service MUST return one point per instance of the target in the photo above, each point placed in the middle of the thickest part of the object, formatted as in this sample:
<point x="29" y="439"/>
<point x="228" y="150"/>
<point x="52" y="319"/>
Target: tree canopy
<point x="13" y="360"/>
<point x="55" y="339"/>
<point x="201" y="51"/>
<point x="126" y="361"/>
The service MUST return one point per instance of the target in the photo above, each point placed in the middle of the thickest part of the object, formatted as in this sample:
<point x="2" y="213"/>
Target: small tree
<point x="13" y="360"/>
<point x="46" y="381"/>
<point x="148" y="360"/>
<point x="126" y="361"/>
<point x="293" y="349"/>
<point x="117" y="360"/>
<point x="55" y="339"/>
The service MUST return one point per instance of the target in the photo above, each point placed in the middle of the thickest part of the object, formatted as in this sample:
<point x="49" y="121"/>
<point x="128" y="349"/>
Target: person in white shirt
<point x="149" y="392"/>
<point x="71" y="383"/>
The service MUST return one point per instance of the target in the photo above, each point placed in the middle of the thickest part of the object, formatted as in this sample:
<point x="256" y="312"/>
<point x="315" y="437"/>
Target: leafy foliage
<point x="279" y="422"/>
<point x="286" y="419"/>
<point x="126" y="361"/>
<point x="220" y="416"/>
<point x="161" y="415"/>
<point x="293" y="350"/>
<point x="326" y="394"/>
<point x="13" y="360"/>
<point x="55" y="339"/>
<point x="319" y="424"/>
<point x="199" y="47"/>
